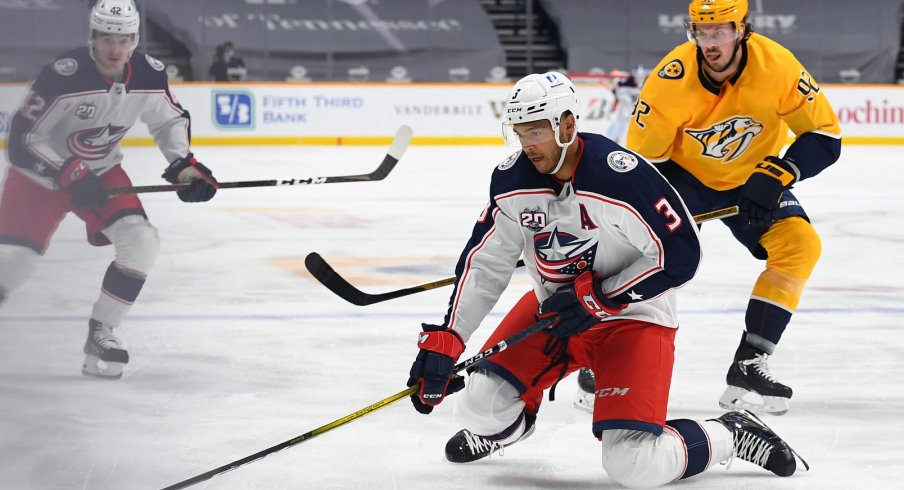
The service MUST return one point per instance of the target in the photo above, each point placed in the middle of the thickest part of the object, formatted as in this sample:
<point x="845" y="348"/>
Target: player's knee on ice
<point x="489" y="405"/>
<point x="16" y="264"/>
<point x="638" y="459"/>
<point x="137" y="243"/>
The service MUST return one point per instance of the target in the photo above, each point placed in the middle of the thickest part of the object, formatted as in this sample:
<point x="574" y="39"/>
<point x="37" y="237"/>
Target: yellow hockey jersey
<point x="719" y="134"/>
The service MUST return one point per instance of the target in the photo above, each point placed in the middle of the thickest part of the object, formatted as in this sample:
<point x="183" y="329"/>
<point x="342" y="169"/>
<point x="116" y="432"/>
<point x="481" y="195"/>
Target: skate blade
<point x="584" y="401"/>
<point x="736" y="398"/>
<point x="793" y="452"/>
<point x="97" y="368"/>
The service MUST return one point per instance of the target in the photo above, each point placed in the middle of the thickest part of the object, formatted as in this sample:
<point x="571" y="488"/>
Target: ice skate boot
<point x="586" y="393"/>
<point x="104" y="353"/>
<point x="752" y="387"/>
<point x="758" y="444"/>
<point x="465" y="447"/>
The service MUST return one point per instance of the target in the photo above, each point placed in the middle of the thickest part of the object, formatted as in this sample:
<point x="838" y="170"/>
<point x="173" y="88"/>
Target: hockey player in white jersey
<point x="65" y="154"/>
<point x="606" y="242"/>
<point x="626" y="92"/>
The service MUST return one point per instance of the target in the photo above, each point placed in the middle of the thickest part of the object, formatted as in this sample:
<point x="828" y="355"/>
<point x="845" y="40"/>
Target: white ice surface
<point x="235" y="350"/>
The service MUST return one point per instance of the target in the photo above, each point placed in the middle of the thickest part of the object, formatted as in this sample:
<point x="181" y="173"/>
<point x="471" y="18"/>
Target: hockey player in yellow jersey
<point x="714" y="116"/>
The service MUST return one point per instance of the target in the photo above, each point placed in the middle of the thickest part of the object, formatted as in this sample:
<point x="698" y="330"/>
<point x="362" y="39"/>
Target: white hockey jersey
<point x="617" y="215"/>
<point x="71" y="110"/>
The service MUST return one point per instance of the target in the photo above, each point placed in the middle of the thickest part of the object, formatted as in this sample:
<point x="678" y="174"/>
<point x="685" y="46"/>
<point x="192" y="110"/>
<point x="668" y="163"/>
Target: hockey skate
<point x="104" y="353"/>
<point x="752" y="387"/>
<point x="586" y="393"/>
<point x="465" y="447"/>
<point x="758" y="444"/>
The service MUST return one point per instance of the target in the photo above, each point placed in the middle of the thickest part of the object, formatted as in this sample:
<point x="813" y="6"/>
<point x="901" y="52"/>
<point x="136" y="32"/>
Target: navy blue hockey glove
<point x="762" y="191"/>
<point x="84" y="186"/>
<point x="577" y="306"/>
<point x="439" y="350"/>
<point x="189" y="170"/>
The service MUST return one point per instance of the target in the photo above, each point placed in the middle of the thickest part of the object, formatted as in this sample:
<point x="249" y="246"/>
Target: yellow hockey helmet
<point x="717" y="11"/>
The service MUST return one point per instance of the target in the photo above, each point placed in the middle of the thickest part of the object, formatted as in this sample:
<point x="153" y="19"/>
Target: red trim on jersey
<point x="652" y="234"/>
<point x="580" y="156"/>
<point x="509" y="195"/>
<point x="467" y="270"/>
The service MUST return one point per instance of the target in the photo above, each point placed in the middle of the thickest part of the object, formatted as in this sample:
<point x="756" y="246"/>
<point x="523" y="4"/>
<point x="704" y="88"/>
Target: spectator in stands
<point x="235" y="65"/>
<point x="218" y="69"/>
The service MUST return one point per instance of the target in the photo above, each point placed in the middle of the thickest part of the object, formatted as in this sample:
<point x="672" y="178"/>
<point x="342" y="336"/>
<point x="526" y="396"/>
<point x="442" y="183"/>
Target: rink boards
<point x="439" y="113"/>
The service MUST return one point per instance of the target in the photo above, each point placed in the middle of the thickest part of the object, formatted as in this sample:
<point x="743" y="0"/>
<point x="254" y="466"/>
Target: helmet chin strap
<point x="564" y="147"/>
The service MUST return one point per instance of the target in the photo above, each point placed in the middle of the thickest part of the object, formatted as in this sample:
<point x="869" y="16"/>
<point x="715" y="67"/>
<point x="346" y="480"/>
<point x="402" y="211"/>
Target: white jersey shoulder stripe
<point x="462" y="282"/>
<point x="660" y="257"/>
<point x="523" y="192"/>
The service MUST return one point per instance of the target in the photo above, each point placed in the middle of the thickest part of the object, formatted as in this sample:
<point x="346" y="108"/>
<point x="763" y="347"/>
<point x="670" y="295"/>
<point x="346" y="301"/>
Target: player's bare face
<point x="718" y="43"/>
<point x="538" y="140"/>
<point x="111" y="52"/>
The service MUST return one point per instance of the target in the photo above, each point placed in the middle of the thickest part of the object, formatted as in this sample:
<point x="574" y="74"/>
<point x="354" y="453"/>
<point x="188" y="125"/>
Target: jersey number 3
<point x="663" y="207"/>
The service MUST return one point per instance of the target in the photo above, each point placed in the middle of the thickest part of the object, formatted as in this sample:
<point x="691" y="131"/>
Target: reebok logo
<point x="422" y="338"/>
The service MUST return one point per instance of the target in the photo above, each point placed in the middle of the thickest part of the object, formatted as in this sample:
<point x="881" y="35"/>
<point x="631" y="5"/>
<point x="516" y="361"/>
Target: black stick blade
<point x="327" y="276"/>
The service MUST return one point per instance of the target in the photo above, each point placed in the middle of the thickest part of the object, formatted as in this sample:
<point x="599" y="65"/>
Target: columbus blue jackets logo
<point x="621" y="161"/>
<point x="65" y="66"/>
<point x="510" y="161"/>
<point x="155" y="63"/>
<point x="96" y="143"/>
<point x="561" y="256"/>
<point x="729" y="139"/>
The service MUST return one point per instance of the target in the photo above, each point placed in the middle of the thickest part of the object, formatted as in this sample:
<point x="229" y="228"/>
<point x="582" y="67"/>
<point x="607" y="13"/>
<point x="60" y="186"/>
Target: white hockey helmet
<point x="547" y="96"/>
<point x="115" y="17"/>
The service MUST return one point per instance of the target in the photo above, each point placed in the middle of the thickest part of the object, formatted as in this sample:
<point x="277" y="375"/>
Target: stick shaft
<point x="501" y="346"/>
<point x="326" y="275"/>
<point x="400" y="143"/>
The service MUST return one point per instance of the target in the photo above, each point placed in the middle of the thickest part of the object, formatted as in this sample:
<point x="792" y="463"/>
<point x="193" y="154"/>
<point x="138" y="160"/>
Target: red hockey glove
<point x="577" y="306"/>
<point x="439" y="348"/>
<point x="189" y="170"/>
<point x="762" y="191"/>
<point x="84" y="186"/>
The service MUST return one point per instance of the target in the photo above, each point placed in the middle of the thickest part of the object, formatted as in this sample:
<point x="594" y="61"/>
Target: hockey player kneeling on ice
<point x="65" y="154"/>
<point x="606" y="242"/>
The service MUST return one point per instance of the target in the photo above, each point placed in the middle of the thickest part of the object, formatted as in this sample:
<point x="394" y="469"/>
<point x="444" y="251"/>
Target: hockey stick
<point x="501" y="346"/>
<point x="323" y="272"/>
<point x="397" y="148"/>
<point x="326" y="275"/>
<point x="717" y="214"/>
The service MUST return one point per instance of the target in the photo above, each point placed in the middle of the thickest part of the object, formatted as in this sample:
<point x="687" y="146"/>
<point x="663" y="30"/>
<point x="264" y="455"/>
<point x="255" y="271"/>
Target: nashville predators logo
<point x="729" y="139"/>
